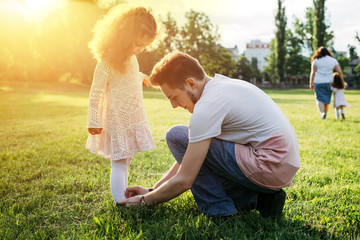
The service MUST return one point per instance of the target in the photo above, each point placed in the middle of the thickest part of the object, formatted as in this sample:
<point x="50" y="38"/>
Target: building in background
<point x="256" y="52"/>
<point x="234" y="52"/>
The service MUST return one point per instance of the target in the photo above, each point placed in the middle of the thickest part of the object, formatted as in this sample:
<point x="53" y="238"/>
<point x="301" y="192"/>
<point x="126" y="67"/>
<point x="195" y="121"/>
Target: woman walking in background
<point x="323" y="64"/>
<point x="338" y="86"/>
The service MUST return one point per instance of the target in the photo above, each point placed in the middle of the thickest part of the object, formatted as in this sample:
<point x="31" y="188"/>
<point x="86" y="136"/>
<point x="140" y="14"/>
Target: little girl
<point x="117" y="121"/>
<point x="338" y="86"/>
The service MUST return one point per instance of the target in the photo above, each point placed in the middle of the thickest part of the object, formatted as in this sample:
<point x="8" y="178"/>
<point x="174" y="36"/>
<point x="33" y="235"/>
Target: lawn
<point x="51" y="187"/>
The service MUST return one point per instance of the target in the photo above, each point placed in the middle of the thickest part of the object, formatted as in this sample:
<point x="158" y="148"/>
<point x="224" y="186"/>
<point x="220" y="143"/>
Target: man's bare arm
<point x="185" y="176"/>
<point x="173" y="170"/>
<point x="180" y="182"/>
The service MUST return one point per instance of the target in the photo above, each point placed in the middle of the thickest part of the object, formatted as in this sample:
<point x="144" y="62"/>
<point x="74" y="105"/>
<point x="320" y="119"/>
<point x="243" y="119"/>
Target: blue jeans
<point x="220" y="186"/>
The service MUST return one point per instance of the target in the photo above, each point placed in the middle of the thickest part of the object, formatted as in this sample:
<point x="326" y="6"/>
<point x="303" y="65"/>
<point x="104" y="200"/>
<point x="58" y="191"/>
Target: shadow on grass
<point x="167" y="222"/>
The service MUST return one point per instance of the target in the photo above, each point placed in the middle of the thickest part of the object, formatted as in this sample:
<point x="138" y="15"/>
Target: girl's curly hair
<point x="116" y="33"/>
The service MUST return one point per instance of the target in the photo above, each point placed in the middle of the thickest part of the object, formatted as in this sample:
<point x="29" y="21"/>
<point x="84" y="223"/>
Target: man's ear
<point x="191" y="83"/>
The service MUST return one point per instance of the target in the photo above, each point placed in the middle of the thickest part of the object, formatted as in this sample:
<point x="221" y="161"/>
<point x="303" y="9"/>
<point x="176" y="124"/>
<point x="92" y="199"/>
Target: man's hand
<point x="133" y="201"/>
<point x="134" y="191"/>
<point x="94" y="131"/>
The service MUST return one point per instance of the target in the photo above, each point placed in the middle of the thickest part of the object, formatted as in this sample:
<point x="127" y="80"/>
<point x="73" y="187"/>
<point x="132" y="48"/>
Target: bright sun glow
<point x="37" y="10"/>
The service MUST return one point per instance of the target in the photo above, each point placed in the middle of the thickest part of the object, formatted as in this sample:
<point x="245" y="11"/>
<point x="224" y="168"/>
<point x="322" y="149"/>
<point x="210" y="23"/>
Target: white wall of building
<point x="259" y="50"/>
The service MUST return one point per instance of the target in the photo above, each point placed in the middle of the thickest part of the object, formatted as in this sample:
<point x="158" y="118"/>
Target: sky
<point x="240" y="21"/>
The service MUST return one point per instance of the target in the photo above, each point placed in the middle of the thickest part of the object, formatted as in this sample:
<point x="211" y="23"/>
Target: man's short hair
<point x="174" y="69"/>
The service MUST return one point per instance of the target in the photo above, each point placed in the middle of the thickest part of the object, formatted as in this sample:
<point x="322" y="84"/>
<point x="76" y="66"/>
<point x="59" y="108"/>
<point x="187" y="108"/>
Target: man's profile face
<point x="179" y="97"/>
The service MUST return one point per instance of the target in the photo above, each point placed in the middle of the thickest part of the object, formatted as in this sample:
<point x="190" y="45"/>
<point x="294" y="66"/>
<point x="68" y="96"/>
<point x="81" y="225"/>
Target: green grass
<point x="51" y="187"/>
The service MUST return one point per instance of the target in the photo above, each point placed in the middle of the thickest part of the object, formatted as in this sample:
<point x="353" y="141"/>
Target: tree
<point x="357" y="68"/>
<point x="296" y="63"/>
<point x="357" y="37"/>
<point x="270" y="69"/>
<point x="352" y="52"/>
<point x="319" y="24"/>
<point x="344" y="63"/>
<point x="222" y="62"/>
<point x="171" y="39"/>
<point x="254" y="63"/>
<point x="199" y="39"/>
<point x="305" y="31"/>
<point x="168" y="42"/>
<point x="246" y="70"/>
<point x="280" y="38"/>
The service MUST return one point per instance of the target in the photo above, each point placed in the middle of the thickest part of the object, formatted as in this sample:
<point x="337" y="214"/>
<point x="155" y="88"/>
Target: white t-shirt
<point x="239" y="112"/>
<point x="325" y="67"/>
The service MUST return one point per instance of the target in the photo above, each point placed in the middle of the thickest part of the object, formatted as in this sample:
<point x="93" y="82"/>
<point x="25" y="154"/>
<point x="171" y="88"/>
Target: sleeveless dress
<point x="116" y="105"/>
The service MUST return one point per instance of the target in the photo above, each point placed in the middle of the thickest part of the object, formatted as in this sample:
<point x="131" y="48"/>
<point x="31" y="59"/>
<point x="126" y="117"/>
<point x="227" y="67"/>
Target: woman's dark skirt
<point x="323" y="92"/>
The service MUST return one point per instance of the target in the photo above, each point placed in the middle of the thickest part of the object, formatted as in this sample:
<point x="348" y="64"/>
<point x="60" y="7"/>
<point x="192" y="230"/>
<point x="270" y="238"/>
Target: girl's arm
<point x="101" y="78"/>
<point x="145" y="78"/>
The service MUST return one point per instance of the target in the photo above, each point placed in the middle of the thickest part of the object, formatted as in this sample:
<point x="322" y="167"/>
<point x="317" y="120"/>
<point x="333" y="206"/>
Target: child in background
<point x="338" y="86"/>
<point x="117" y="121"/>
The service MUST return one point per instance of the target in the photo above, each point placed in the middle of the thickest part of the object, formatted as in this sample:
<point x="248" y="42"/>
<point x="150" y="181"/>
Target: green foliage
<point x="280" y="41"/>
<point x="289" y="46"/>
<point x="50" y="49"/>
<point x="199" y="36"/>
<point x="357" y="70"/>
<point x="319" y="24"/>
<point x="270" y="69"/>
<point x="199" y="39"/>
<point x="344" y="63"/>
<point x="246" y="69"/>
<point x="352" y="52"/>
<point x="171" y="39"/>
<point x="296" y="63"/>
<point x="52" y="188"/>
<point x="222" y="62"/>
<point x="306" y="30"/>
<point x="54" y="50"/>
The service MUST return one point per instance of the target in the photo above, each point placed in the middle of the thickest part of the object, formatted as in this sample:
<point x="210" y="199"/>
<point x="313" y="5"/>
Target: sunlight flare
<point x="37" y="10"/>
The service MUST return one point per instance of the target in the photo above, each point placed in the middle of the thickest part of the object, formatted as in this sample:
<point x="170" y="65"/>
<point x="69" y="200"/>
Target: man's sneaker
<point x="323" y="116"/>
<point x="271" y="204"/>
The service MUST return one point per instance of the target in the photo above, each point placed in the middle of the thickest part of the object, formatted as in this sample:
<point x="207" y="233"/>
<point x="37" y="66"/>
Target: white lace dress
<point x="116" y="105"/>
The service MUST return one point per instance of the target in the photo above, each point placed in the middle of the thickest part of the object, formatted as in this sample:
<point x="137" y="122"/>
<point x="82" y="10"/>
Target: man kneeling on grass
<point x="239" y="150"/>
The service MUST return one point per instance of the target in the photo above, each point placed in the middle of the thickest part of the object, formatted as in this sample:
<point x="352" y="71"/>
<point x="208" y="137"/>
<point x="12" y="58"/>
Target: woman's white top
<point x="325" y="68"/>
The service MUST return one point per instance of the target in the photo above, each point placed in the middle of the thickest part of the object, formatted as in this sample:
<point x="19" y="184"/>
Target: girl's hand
<point x="134" y="201"/>
<point x="146" y="80"/>
<point x="94" y="131"/>
<point x="134" y="191"/>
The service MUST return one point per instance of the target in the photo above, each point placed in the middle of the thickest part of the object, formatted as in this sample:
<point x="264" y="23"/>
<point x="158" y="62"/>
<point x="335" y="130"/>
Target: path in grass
<point x="51" y="187"/>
